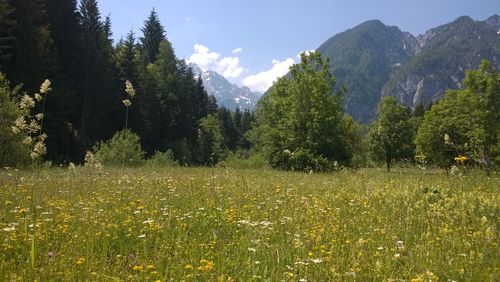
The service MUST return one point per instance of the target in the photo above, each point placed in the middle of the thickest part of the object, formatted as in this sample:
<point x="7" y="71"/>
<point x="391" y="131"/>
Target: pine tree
<point x="64" y="24"/>
<point x="100" y="101"/>
<point x="33" y="58"/>
<point x="126" y="59"/>
<point x="153" y="35"/>
<point x="7" y="34"/>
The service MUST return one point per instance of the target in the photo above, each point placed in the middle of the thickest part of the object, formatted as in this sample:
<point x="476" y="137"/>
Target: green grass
<point x="200" y="224"/>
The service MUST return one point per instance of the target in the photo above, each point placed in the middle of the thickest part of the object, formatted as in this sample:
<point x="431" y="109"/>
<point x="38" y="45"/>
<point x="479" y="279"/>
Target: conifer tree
<point x="7" y="34"/>
<point x="153" y="35"/>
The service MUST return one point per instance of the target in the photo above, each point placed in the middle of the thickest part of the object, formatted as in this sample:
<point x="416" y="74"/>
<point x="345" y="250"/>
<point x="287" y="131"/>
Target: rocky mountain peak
<point x="226" y="93"/>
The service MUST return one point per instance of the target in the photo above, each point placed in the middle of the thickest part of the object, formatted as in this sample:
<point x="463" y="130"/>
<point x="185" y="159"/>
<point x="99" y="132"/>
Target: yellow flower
<point x="80" y="260"/>
<point x="188" y="266"/>
<point x="206" y="265"/>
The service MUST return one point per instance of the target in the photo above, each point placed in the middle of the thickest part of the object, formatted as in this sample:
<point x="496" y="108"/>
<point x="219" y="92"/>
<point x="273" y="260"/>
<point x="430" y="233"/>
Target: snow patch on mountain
<point x="227" y="94"/>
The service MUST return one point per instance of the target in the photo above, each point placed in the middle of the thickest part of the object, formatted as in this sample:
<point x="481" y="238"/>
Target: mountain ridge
<point x="374" y="60"/>
<point x="227" y="94"/>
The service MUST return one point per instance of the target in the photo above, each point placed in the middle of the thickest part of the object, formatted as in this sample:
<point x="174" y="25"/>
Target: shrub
<point x="162" y="159"/>
<point x="302" y="160"/>
<point x="12" y="150"/>
<point x="124" y="149"/>
<point x="244" y="160"/>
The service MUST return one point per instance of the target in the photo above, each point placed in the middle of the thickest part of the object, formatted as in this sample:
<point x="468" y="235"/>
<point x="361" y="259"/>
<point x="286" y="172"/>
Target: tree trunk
<point x="388" y="160"/>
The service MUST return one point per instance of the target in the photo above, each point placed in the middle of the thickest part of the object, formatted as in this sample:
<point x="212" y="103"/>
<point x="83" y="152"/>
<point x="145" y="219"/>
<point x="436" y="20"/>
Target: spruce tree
<point x="99" y="102"/>
<point x="7" y="34"/>
<point x="153" y="35"/>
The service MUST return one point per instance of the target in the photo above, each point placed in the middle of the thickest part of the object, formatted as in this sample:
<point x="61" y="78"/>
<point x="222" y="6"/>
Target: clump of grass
<point x="223" y="224"/>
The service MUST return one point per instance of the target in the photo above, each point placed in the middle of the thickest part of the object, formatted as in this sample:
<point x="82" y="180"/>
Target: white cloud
<point x="238" y="50"/>
<point x="230" y="67"/>
<point x="262" y="81"/>
<point x="307" y="52"/>
<point x="208" y="60"/>
<point x="203" y="57"/>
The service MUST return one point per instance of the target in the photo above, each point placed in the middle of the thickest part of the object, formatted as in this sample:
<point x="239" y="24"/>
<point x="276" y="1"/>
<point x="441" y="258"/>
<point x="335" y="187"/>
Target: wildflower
<point x="80" y="260"/>
<point x="26" y="102"/>
<point x="142" y="236"/>
<point x="137" y="267"/>
<point x="28" y="140"/>
<point x="188" y="266"/>
<point x="20" y="123"/>
<point x="127" y="103"/>
<point x="206" y="265"/>
<point x="39" y="116"/>
<point x="38" y="97"/>
<point x="9" y="229"/>
<point x="400" y="246"/>
<point x="447" y="139"/>
<point x="460" y="160"/>
<point x="317" y="260"/>
<point x="40" y="148"/>
<point x="129" y="89"/>
<point x="45" y="87"/>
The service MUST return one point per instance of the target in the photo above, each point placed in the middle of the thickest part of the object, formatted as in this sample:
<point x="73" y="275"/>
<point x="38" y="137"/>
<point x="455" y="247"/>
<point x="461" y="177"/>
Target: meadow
<point x="217" y="224"/>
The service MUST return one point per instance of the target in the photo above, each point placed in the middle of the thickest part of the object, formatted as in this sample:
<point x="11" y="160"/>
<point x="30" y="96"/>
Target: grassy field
<point x="247" y="225"/>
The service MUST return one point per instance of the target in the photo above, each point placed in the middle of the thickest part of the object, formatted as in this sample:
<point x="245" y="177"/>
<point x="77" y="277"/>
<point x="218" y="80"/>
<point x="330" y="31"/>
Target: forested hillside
<point x="373" y="60"/>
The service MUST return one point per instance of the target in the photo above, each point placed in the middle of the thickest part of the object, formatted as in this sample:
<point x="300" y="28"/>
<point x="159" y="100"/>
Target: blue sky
<point x="252" y="42"/>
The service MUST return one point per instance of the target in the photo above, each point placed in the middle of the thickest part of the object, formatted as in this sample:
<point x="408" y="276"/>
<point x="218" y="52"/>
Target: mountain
<point x="444" y="53"/>
<point x="373" y="60"/>
<point x="227" y="94"/>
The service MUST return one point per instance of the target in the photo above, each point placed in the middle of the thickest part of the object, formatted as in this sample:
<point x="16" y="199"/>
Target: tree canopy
<point x="466" y="123"/>
<point x="299" y="124"/>
<point x="391" y="135"/>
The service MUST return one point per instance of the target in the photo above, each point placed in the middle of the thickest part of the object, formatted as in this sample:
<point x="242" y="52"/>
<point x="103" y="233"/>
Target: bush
<point x="12" y="150"/>
<point x="162" y="159"/>
<point x="302" y="160"/>
<point x="124" y="149"/>
<point x="244" y="160"/>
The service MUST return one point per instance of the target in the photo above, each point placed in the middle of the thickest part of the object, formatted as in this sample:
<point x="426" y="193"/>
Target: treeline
<point x="70" y="43"/>
<point x="301" y="125"/>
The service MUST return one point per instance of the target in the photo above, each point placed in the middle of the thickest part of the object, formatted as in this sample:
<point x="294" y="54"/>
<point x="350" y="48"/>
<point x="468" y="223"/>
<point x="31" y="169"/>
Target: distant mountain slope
<point x="373" y="60"/>
<point x="445" y="52"/>
<point x="227" y="94"/>
<point x="363" y="59"/>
